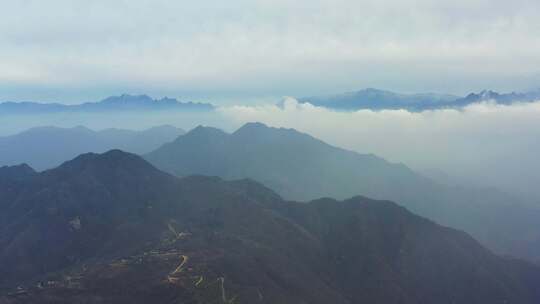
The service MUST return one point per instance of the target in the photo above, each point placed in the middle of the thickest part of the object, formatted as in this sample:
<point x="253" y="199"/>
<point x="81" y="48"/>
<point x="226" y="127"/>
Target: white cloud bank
<point x="485" y="143"/>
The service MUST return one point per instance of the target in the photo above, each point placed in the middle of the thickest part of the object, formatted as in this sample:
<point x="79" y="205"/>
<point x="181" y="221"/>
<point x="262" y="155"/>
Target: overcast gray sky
<point x="73" y="51"/>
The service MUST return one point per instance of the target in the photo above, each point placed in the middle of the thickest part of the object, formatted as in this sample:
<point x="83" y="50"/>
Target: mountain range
<point x="122" y="103"/>
<point x="300" y="167"/>
<point x="47" y="147"/>
<point x="370" y="98"/>
<point x="499" y="98"/>
<point x="111" y="228"/>
<point x="374" y="99"/>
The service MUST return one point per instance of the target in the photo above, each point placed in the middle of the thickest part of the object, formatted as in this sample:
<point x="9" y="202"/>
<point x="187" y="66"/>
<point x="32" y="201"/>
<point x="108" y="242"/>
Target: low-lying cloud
<point x="487" y="144"/>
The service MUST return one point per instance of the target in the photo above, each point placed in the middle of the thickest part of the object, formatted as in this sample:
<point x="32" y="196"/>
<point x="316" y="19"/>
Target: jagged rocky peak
<point x="127" y="98"/>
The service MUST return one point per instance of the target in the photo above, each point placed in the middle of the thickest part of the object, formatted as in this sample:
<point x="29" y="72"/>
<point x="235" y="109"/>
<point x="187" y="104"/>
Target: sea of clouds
<point x="485" y="144"/>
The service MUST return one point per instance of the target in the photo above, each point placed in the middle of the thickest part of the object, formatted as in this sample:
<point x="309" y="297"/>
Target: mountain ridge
<point x="16" y="172"/>
<point x="118" y="230"/>
<point x="375" y="99"/>
<point x="46" y="147"/>
<point x="124" y="102"/>
<point x="300" y="167"/>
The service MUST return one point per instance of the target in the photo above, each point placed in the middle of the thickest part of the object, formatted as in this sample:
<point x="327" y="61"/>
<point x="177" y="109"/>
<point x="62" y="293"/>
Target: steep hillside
<point x="110" y="228"/>
<point x="300" y="167"/>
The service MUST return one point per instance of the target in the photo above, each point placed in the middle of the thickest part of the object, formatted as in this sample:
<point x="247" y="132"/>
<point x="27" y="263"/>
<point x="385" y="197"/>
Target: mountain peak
<point x="114" y="155"/>
<point x="105" y="162"/>
<point x="127" y="98"/>
<point x="375" y="91"/>
<point x="377" y="99"/>
<point x="201" y="130"/>
<point x="17" y="172"/>
<point x="114" y="234"/>
<point x="252" y="130"/>
<point x="124" y="102"/>
<point x="253" y="126"/>
<point x="488" y="94"/>
<point x="167" y="100"/>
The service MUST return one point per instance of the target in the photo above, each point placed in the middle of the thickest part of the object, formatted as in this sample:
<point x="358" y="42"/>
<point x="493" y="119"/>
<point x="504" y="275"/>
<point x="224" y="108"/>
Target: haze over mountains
<point x="370" y="98"/>
<point x="47" y="147"/>
<point x="347" y="152"/>
<point x="122" y="103"/>
<point x="300" y="167"/>
<point x="374" y="99"/>
<point x="16" y="173"/>
<point x="104" y="224"/>
<point x="111" y="228"/>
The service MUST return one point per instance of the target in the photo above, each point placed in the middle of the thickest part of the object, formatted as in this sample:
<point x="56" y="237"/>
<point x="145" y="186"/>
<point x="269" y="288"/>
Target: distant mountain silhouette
<point x="506" y="99"/>
<point x="124" y="103"/>
<point x="375" y="99"/>
<point x="47" y="147"/>
<point x="110" y="228"/>
<point x="300" y="167"/>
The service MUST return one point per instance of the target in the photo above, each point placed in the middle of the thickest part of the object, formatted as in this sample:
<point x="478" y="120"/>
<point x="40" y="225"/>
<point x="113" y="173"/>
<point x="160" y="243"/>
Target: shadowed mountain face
<point x="13" y="179"/>
<point x="111" y="228"/>
<point x="374" y="99"/>
<point x="300" y="167"/>
<point x="296" y="165"/>
<point x="16" y="173"/>
<point x="47" y="147"/>
<point x="124" y="103"/>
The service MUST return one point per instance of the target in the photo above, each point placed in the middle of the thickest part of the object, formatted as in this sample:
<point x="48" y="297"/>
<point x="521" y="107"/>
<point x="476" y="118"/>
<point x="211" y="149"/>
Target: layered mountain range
<point x="47" y="147"/>
<point x="370" y="98"/>
<point x="374" y="99"/>
<point x="111" y="228"/>
<point x="300" y="167"/>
